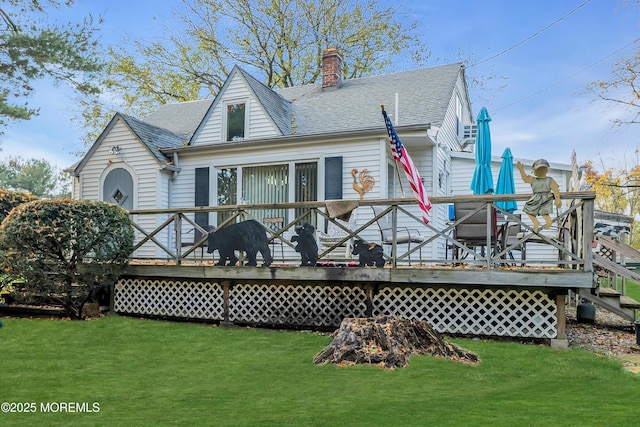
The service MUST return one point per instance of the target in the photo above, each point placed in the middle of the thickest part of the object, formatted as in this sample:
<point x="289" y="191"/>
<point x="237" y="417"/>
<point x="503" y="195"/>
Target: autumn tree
<point x="280" y="42"/>
<point x="618" y="190"/>
<point x="622" y="87"/>
<point x="32" y="48"/>
<point x="35" y="176"/>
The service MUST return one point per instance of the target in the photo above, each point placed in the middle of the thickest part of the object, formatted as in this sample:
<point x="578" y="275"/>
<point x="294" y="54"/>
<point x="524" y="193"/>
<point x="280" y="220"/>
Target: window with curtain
<point x="266" y="184"/>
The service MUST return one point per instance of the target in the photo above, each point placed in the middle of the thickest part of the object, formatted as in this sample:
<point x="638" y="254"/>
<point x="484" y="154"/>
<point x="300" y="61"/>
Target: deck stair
<point x="610" y="298"/>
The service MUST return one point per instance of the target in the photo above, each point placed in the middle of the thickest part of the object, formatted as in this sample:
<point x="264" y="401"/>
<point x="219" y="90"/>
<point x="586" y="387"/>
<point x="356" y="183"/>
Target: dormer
<point x="243" y="110"/>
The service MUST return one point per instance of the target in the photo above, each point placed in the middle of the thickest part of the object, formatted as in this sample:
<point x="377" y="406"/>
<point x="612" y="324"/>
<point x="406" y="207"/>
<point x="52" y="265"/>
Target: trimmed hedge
<point x="66" y="250"/>
<point x="10" y="199"/>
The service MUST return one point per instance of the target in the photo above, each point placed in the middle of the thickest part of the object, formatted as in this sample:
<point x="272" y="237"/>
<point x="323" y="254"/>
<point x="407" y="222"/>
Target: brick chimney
<point x="331" y="69"/>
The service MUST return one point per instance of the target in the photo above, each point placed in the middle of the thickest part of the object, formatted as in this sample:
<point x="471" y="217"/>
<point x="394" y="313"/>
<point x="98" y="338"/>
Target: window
<point x="268" y="184"/>
<point x="306" y="188"/>
<point x="235" y="121"/>
<point x="458" y="116"/>
<point x="227" y="190"/>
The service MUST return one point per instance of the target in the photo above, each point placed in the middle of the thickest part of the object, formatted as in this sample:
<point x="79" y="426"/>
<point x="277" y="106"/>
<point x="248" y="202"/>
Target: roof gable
<point x="276" y="108"/>
<point x="152" y="137"/>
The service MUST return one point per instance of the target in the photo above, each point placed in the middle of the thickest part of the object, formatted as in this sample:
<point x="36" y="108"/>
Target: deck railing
<point x="180" y="235"/>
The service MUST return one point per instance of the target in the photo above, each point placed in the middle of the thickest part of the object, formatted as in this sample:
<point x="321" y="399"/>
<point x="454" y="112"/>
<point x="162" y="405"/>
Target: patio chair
<point x="404" y="235"/>
<point x="511" y="232"/>
<point x="275" y="224"/>
<point x="472" y="232"/>
<point x="197" y="236"/>
<point x="334" y="235"/>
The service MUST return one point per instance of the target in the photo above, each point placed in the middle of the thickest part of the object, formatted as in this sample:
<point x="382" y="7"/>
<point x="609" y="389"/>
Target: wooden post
<point x="394" y="230"/>
<point x="369" y="289"/>
<point x="489" y="233"/>
<point x="587" y="229"/>
<point x="226" y="289"/>
<point x="562" y="317"/>
<point x="177" y="220"/>
<point x="112" y="293"/>
<point x="560" y="342"/>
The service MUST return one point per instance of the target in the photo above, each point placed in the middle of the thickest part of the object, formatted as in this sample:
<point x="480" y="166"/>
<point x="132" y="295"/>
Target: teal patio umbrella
<point x="482" y="181"/>
<point x="506" y="184"/>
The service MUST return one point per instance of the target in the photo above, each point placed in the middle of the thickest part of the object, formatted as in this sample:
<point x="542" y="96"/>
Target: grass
<point x="632" y="289"/>
<point x="146" y="372"/>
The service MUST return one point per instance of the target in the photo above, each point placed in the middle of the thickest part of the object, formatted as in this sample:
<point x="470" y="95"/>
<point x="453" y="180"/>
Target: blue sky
<point x="535" y="95"/>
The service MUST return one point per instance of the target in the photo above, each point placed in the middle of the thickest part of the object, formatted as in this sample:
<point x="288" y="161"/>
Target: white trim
<point x="225" y="120"/>
<point x="128" y="168"/>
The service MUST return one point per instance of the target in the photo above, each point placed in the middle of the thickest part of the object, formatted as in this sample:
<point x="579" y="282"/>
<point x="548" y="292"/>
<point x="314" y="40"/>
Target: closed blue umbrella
<point x="482" y="181"/>
<point x="506" y="184"/>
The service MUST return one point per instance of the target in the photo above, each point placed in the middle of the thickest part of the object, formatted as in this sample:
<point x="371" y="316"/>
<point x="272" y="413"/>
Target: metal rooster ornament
<point x="366" y="181"/>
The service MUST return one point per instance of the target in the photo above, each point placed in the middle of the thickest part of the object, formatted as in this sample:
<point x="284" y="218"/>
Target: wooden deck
<point x="549" y="278"/>
<point x="480" y="292"/>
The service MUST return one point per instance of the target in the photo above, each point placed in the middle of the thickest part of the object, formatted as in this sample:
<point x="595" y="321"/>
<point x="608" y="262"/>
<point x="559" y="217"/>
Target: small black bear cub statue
<point x="248" y="236"/>
<point x="307" y="245"/>
<point x="369" y="254"/>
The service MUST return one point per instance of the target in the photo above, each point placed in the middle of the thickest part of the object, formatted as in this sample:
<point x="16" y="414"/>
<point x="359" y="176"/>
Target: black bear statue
<point x="307" y="245"/>
<point x="368" y="254"/>
<point x="248" y="236"/>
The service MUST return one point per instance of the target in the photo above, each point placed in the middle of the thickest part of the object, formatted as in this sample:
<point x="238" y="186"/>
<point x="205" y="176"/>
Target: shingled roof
<point x="155" y="137"/>
<point x="182" y="118"/>
<point x="423" y="98"/>
<point x="278" y="108"/>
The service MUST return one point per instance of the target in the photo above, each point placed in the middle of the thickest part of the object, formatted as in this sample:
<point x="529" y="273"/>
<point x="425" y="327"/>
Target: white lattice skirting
<point x="494" y="312"/>
<point x="171" y="298"/>
<point x="514" y="313"/>
<point x="308" y="305"/>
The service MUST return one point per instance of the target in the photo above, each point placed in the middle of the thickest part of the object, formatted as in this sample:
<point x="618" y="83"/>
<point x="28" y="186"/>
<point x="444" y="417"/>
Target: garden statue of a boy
<point x="545" y="190"/>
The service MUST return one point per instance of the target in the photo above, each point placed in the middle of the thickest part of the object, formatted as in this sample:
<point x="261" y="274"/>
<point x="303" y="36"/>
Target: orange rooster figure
<point x="366" y="181"/>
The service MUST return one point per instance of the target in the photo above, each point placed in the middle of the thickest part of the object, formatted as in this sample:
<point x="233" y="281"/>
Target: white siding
<point x="75" y="188"/>
<point x="144" y="169"/>
<point x="446" y="138"/>
<point x="133" y="156"/>
<point x="358" y="154"/>
<point x="258" y="123"/>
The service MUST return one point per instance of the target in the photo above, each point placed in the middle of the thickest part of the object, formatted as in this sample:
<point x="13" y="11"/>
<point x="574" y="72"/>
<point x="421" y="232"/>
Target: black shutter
<point x="333" y="178"/>
<point x="202" y="197"/>
<point x="202" y="187"/>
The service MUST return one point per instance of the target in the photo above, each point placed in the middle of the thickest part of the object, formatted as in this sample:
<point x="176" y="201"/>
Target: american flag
<point x="401" y="155"/>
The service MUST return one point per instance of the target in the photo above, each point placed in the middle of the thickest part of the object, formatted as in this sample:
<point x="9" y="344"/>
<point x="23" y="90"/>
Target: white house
<point x="252" y="144"/>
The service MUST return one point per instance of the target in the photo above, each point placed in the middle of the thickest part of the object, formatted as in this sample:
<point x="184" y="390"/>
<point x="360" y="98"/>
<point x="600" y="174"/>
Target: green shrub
<point x="11" y="199"/>
<point x="66" y="250"/>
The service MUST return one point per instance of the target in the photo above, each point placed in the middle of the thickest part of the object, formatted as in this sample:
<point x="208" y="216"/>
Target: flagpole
<point x="395" y="164"/>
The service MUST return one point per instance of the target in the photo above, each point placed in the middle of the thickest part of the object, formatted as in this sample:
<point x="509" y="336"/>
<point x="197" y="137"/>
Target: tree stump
<point x="387" y="341"/>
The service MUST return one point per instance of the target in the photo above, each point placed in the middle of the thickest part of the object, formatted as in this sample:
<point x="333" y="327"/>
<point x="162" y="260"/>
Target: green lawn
<point x="632" y="289"/>
<point x="154" y="373"/>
